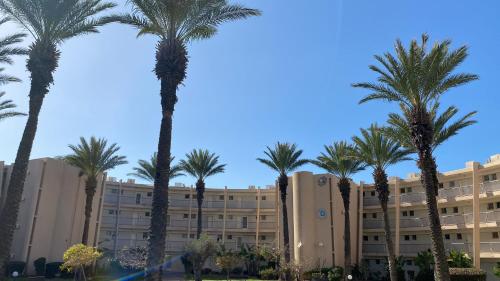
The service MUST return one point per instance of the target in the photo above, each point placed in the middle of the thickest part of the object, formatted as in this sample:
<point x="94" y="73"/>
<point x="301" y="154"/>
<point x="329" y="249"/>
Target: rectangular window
<point x="405" y="213"/>
<point x="184" y="235"/>
<point x="375" y="237"/>
<point x="263" y="198"/>
<point x="441" y="185"/>
<point x="244" y="222"/>
<point x="114" y="190"/>
<point x="414" y="237"/>
<point x="486" y="178"/>
<point x="191" y="235"/>
<point x="231" y="217"/>
<point x="372" y="193"/>
<point x="409" y="262"/>
<point x="219" y="237"/>
<point x="231" y="197"/>
<point x="364" y="215"/>
<point x="221" y="197"/>
<point x="410" y="189"/>
<point x="447" y="236"/>
<point x="145" y="235"/>
<point x="494" y="235"/>
<point x="186" y="196"/>
<point x="365" y="238"/>
<point x="262" y="217"/>
<point x="138" y="198"/>
<point x="111" y="212"/>
<point x="490" y="206"/>
<point x="185" y="216"/>
<point x="374" y="215"/>
<point x="459" y="236"/>
<point x="402" y="190"/>
<point x="455" y="210"/>
<point x="412" y="213"/>
<point x="230" y="237"/>
<point x="193" y="216"/>
<point x="147" y="214"/>
<point x="407" y="237"/>
<point x="493" y="177"/>
<point x="377" y="261"/>
<point x="168" y="220"/>
<point x="451" y="184"/>
<point x="150" y="194"/>
<point x="221" y="217"/>
<point x="263" y="237"/>
<point x="443" y="210"/>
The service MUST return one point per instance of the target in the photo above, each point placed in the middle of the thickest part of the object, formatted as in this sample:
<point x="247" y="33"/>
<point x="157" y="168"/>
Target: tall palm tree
<point x="146" y="170"/>
<point x="50" y="23"/>
<point x="93" y="158"/>
<point x="201" y="164"/>
<point x="175" y="23"/>
<point x="338" y="160"/>
<point x="7" y="50"/>
<point x="284" y="158"/>
<point x="6" y="105"/>
<point x="378" y="151"/>
<point x="416" y="78"/>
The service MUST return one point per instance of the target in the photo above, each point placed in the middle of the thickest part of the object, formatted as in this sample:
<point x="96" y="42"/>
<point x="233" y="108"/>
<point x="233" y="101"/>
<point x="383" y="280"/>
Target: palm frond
<point x="338" y="160"/>
<point x="200" y="164"/>
<point x="5" y="108"/>
<point x="146" y="170"/>
<point x="283" y="158"/>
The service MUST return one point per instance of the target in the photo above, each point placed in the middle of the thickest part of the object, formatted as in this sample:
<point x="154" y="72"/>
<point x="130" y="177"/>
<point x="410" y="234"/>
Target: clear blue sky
<point x="284" y="76"/>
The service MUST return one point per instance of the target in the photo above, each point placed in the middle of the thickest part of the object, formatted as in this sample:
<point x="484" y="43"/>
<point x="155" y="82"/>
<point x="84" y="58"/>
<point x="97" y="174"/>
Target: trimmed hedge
<point x="40" y="266"/>
<point x="467" y="274"/>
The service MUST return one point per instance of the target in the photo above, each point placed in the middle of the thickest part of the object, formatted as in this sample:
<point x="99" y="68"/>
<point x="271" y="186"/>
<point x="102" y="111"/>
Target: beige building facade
<point x="51" y="213"/>
<point x="51" y="216"/>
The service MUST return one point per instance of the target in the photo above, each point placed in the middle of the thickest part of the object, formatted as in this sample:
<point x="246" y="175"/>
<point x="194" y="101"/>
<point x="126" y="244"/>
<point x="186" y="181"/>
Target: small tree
<point x="133" y="258"/>
<point x="227" y="260"/>
<point x="198" y="251"/>
<point x="496" y="269"/>
<point x="77" y="257"/>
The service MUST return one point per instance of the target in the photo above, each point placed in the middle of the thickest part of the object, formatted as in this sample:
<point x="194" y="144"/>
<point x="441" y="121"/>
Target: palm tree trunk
<point x="283" y="184"/>
<point x="382" y="186"/>
<point x="8" y="216"/>
<point x="422" y="135"/>
<point x="171" y="63"/>
<point x="90" y="188"/>
<point x="345" y="190"/>
<point x="200" y="190"/>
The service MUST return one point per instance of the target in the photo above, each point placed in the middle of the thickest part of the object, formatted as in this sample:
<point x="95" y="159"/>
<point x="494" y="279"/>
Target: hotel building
<point x="469" y="203"/>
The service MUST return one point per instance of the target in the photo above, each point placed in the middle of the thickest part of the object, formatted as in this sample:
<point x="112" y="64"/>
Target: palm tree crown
<point x="338" y="160"/>
<point x="416" y="77"/>
<point x="95" y="157"/>
<point x="7" y="50"/>
<point x="201" y="164"/>
<point x="283" y="158"/>
<point x="377" y="150"/>
<point x="182" y="20"/>
<point x="54" y="21"/>
<point x="6" y="105"/>
<point x="146" y="170"/>
<point x="399" y="128"/>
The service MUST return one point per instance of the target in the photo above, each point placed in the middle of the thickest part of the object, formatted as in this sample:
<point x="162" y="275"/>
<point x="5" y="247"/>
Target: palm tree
<point x="376" y="150"/>
<point x="338" y="160"/>
<point x="50" y="23"/>
<point x="175" y="23"/>
<point x="5" y="105"/>
<point x="416" y="78"/>
<point x="93" y="158"/>
<point x="146" y="170"/>
<point x="201" y="164"/>
<point x="284" y="158"/>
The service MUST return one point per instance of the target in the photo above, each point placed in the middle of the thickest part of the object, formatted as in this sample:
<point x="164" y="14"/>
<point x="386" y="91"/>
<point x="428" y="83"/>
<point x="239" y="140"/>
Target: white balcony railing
<point x="458" y="246"/>
<point x="373" y="223"/>
<point x="413" y="248"/>
<point x="490" y="186"/>
<point x="453" y="219"/>
<point x="453" y="192"/>
<point x="370" y="201"/>
<point x="414" y="222"/>
<point x="378" y="248"/>
<point x="490" y="247"/>
<point x="413" y="197"/>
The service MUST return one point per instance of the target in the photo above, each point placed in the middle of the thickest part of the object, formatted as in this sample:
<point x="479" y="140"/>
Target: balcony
<point x="267" y="225"/>
<point x="458" y="220"/>
<point x="243" y="204"/>
<point x="267" y="204"/>
<point x="413" y="248"/>
<point x="374" y="248"/>
<point x="133" y="200"/>
<point x="178" y="223"/>
<point x="111" y="198"/>
<point x="452" y="193"/>
<point x="490" y="186"/>
<point x="180" y="203"/>
<point x="465" y="247"/>
<point x="490" y="249"/>
<point x="490" y="217"/>
<point x="211" y="204"/>
<point x="373" y="223"/>
<point x="413" y="198"/>
<point x="108" y="220"/>
<point x="370" y="201"/>
<point x="127" y="221"/>
<point x="414" y="222"/>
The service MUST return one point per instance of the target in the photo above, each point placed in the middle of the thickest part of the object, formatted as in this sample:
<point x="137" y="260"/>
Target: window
<point x="191" y="235"/>
<point x="377" y="261"/>
<point x="375" y="237"/>
<point x="443" y="210"/>
<point x="494" y="235"/>
<point x="186" y="196"/>
<point x="414" y="237"/>
<point x="363" y="194"/>
<point x="455" y="210"/>
<point x="451" y="184"/>
<point x="490" y="206"/>
<point x="138" y="198"/>
<point x="411" y="274"/>
<point x="374" y="215"/>
<point x="168" y="220"/>
<point x="147" y="214"/>
<point x="231" y="217"/>
<point x="402" y="190"/>
<point x="441" y="185"/>
<point x="364" y="215"/>
<point x="372" y="193"/>
<point x="262" y="217"/>
<point x="231" y="197"/>
<point x="221" y="197"/>
<point x="263" y="198"/>
<point x="262" y="237"/>
<point x="447" y="236"/>
<point x="145" y="235"/>
<point x="486" y="178"/>
<point x="498" y="205"/>
<point x="230" y="237"/>
<point x="110" y="233"/>
<point x="193" y="216"/>
<point x="405" y="213"/>
<point x="184" y="235"/>
<point x="185" y="216"/>
<point x="365" y="238"/>
<point x="410" y="189"/>
<point x="459" y="236"/>
<point x="493" y="177"/>
<point x="221" y="217"/>
<point x="219" y="237"/>
<point x="412" y="213"/>
<point x="407" y="237"/>
<point x="111" y="212"/>
<point x="244" y="222"/>
<point x="150" y="194"/>
<point x="114" y="190"/>
<point x="409" y="262"/>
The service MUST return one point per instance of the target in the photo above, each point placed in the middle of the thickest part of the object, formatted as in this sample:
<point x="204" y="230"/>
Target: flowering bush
<point x="77" y="257"/>
<point x="133" y="258"/>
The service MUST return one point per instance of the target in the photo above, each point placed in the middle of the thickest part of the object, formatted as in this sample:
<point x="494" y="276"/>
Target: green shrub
<point x="467" y="274"/>
<point x="459" y="259"/>
<point x="307" y="275"/>
<point x="336" y="274"/>
<point x="496" y="269"/>
<point x="425" y="275"/>
<point x="15" y="266"/>
<point x="268" y="274"/>
<point x="40" y="266"/>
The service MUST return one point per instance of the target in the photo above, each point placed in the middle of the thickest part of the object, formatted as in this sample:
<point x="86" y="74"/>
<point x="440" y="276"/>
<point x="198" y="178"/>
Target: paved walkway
<point x="173" y="276"/>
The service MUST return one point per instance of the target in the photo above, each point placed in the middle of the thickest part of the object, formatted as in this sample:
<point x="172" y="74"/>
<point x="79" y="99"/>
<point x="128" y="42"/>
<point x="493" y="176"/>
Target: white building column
<point x="476" y="231"/>
<point x="397" y="210"/>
